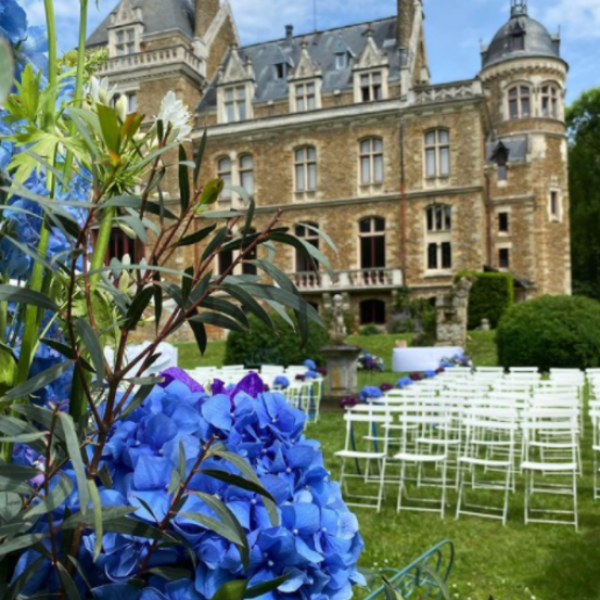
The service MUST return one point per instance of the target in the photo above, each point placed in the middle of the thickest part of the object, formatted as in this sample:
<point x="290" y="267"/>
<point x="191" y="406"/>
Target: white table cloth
<point x="410" y="360"/>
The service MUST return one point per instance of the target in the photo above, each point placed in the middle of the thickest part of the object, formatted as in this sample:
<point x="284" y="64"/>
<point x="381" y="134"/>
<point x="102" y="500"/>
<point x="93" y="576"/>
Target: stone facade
<point x="413" y="182"/>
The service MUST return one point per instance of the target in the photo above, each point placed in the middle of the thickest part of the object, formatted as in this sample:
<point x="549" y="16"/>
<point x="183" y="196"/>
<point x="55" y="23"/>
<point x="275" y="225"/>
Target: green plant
<point x="369" y="330"/>
<point x="491" y="296"/>
<point x="423" y="340"/>
<point x="261" y="346"/>
<point x="552" y="331"/>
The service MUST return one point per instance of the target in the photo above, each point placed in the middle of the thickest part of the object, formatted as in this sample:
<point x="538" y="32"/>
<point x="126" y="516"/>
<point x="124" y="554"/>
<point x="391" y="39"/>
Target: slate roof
<point x="159" y="16"/>
<point x="322" y="47"/>
<point x="516" y="146"/>
<point x="538" y="41"/>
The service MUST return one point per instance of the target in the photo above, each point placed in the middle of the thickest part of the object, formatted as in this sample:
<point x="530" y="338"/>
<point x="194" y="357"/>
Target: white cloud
<point x="578" y="19"/>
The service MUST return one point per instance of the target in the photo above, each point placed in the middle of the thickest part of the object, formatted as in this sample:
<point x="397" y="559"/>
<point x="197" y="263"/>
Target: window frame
<point x="439" y="224"/>
<point x="304" y="97"/>
<point x="245" y="171"/>
<point x="235" y="108"/>
<point x="373" y="157"/>
<point x="550" y="101"/>
<point x="305" y="163"/>
<point x="377" y="227"/>
<point x="503" y="227"/>
<point x="127" y="46"/>
<point x="304" y="232"/>
<point x="226" y="176"/>
<point x="438" y="148"/>
<point x="504" y="258"/>
<point x="372" y="90"/>
<point x="522" y="92"/>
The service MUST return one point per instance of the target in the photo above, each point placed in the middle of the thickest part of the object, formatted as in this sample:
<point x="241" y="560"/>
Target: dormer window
<point x="281" y="70"/>
<point x="341" y="60"/>
<point x="235" y="104"/>
<point x="517" y="42"/>
<point x="371" y="86"/>
<point x="125" y="42"/>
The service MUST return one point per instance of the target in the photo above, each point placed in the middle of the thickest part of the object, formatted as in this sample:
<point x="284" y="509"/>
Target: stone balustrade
<point x="459" y="90"/>
<point x="153" y="58"/>
<point x="367" y="279"/>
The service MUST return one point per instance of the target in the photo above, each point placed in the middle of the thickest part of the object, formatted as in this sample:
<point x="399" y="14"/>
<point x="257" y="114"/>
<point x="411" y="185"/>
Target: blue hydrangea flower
<point x="370" y="392"/>
<point x="404" y="382"/>
<point x="310" y="364"/>
<point x="317" y="542"/>
<point x="311" y="375"/>
<point x="429" y="374"/>
<point x="282" y="382"/>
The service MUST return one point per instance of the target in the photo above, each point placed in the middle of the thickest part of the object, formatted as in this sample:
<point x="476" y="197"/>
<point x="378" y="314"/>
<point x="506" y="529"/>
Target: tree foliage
<point x="583" y="119"/>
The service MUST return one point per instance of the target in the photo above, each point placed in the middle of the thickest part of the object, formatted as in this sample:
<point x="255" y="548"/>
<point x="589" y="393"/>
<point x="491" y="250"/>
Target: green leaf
<point x="7" y="70"/>
<point x="217" y="320"/>
<point x="8" y="370"/>
<point x="130" y="526"/>
<point x="10" y="505"/>
<point x="184" y="180"/>
<point x="214" y="525"/>
<point x="228" y="519"/>
<point x="92" y="345"/>
<point x="138" y="399"/>
<point x="13" y="293"/>
<point x="197" y="237"/>
<point x="138" y="306"/>
<point x="238" y="481"/>
<point x="223" y="306"/>
<point x="109" y="124"/>
<point x="14" y="427"/>
<point x="217" y="241"/>
<point x="21" y="542"/>
<point x="248" y="472"/>
<point x="15" y="479"/>
<point x="237" y="291"/>
<point x="68" y="583"/>
<point x="171" y="573"/>
<point x="200" y="156"/>
<point x="97" y="514"/>
<point x="199" y="331"/>
<point x="109" y="513"/>
<point x="264" y="588"/>
<point x="67" y="352"/>
<point x="232" y="590"/>
<point x="74" y="451"/>
<point x="59" y="493"/>
<point x="211" y="192"/>
<point x="186" y="283"/>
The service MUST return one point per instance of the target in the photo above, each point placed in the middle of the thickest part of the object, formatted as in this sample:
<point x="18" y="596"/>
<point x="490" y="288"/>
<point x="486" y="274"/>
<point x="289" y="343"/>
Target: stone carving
<point x="452" y="314"/>
<point x="337" y="329"/>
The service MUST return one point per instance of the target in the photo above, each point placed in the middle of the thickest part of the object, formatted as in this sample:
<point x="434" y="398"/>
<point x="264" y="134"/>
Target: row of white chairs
<point x="304" y="394"/>
<point x="487" y="431"/>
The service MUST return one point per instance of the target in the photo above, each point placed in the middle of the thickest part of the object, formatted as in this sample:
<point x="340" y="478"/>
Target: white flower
<point x="99" y="91"/>
<point x="122" y="107"/>
<point x="175" y="114"/>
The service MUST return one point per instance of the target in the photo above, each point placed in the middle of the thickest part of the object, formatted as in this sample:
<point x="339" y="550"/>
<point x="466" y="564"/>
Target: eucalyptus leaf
<point x="7" y="70"/>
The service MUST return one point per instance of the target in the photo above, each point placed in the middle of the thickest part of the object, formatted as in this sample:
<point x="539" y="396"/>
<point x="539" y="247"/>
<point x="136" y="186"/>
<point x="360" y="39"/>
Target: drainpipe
<point x="488" y="217"/>
<point x="403" y="229"/>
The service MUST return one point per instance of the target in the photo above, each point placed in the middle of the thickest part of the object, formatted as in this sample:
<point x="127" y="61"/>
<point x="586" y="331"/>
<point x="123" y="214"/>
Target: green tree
<point x="583" y="119"/>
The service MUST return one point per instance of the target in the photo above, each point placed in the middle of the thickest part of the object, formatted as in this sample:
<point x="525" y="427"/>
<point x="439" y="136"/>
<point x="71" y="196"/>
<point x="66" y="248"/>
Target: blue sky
<point x="454" y="28"/>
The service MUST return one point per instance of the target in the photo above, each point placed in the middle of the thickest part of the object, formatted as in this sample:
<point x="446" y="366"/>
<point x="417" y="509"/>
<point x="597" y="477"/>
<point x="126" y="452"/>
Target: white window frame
<point x="305" y="96"/>
<point x="550" y="104"/>
<point x="441" y="217"/>
<point x="371" y="154"/>
<point x="522" y="91"/>
<point x="305" y="169"/>
<point x="226" y="174"/>
<point x="437" y="147"/>
<point x="246" y="173"/>
<point x="235" y="104"/>
<point x="129" y="44"/>
<point x="371" y="82"/>
<point x="555" y="213"/>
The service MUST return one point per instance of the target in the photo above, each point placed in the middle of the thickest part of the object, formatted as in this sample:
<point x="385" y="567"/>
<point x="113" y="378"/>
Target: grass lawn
<point x="546" y="562"/>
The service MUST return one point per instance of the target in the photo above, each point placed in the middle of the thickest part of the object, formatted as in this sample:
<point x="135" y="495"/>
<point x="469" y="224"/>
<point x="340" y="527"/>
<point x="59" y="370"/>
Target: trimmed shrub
<point x="551" y="332"/>
<point x="369" y="330"/>
<point x="261" y="346"/>
<point x="492" y="295"/>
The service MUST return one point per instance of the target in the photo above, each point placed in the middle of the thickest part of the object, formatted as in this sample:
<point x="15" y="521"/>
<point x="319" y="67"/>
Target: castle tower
<point x="206" y="12"/>
<point x="524" y="79"/>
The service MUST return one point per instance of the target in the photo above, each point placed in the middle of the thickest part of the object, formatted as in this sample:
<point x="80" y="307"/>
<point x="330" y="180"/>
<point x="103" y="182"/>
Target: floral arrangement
<point x="370" y="362"/>
<point x="349" y="402"/>
<point x="404" y="382"/>
<point x="310" y="364"/>
<point x="281" y="382"/>
<point x="386" y="387"/>
<point x="459" y="360"/>
<point x="370" y="392"/>
<point x="113" y="483"/>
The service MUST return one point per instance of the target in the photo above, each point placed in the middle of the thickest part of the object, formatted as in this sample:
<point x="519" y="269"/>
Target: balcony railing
<point x="153" y="58"/>
<point x="459" y="90"/>
<point x="358" y="279"/>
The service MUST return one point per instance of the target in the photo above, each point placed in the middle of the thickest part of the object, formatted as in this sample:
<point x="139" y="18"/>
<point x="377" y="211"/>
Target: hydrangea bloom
<point x="429" y="374"/>
<point x="311" y="375"/>
<point x="369" y="392"/>
<point x="282" y="382"/>
<point x="317" y="541"/>
<point x="404" y="382"/>
<point x="310" y="364"/>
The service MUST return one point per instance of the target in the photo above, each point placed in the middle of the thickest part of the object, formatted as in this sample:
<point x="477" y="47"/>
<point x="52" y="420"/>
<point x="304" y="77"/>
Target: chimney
<point x="289" y="31"/>
<point x="206" y="11"/>
<point x="406" y="17"/>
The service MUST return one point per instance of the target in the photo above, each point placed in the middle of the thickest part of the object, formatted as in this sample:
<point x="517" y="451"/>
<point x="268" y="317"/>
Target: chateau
<point x="343" y="130"/>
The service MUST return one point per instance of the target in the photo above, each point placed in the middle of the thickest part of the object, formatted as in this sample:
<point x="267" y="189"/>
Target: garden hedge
<point x="262" y="346"/>
<point x="491" y="296"/>
<point x="551" y="332"/>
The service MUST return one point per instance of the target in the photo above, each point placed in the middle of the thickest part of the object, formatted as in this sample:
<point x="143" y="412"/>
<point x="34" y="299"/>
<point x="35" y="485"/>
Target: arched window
<point x="305" y="169"/>
<point x="371" y="161"/>
<point x="224" y="173"/>
<point x="438" y="237"/>
<point x="550" y="101"/>
<point x="247" y="173"/>
<point x="437" y="153"/>
<point x="372" y="312"/>
<point x="519" y="102"/>
<point x="306" y="232"/>
<point x="372" y="243"/>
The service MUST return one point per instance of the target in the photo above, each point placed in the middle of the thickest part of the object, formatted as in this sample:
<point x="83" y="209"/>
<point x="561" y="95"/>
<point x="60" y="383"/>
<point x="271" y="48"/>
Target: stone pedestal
<point x="342" y="376"/>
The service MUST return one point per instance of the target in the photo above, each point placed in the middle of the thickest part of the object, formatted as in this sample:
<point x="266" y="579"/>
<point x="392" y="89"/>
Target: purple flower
<point x="176" y="374"/>
<point x="386" y="387"/>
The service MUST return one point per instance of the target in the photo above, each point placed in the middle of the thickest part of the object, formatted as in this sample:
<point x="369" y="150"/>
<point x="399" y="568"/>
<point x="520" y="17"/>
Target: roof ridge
<point x="320" y="31"/>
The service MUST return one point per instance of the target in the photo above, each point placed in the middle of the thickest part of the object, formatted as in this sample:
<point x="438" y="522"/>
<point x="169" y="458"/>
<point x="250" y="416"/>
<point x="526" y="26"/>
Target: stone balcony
<point x="348" y="281"/>
<point x="445" y="92"/>
<point x="176" y="55"/>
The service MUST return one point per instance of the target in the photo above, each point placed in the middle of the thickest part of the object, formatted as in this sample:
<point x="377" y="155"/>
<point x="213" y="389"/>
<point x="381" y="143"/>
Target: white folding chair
<point x="351" y="452"/>
<point x="550" y="430"/>
<point x="488" y="461"/>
